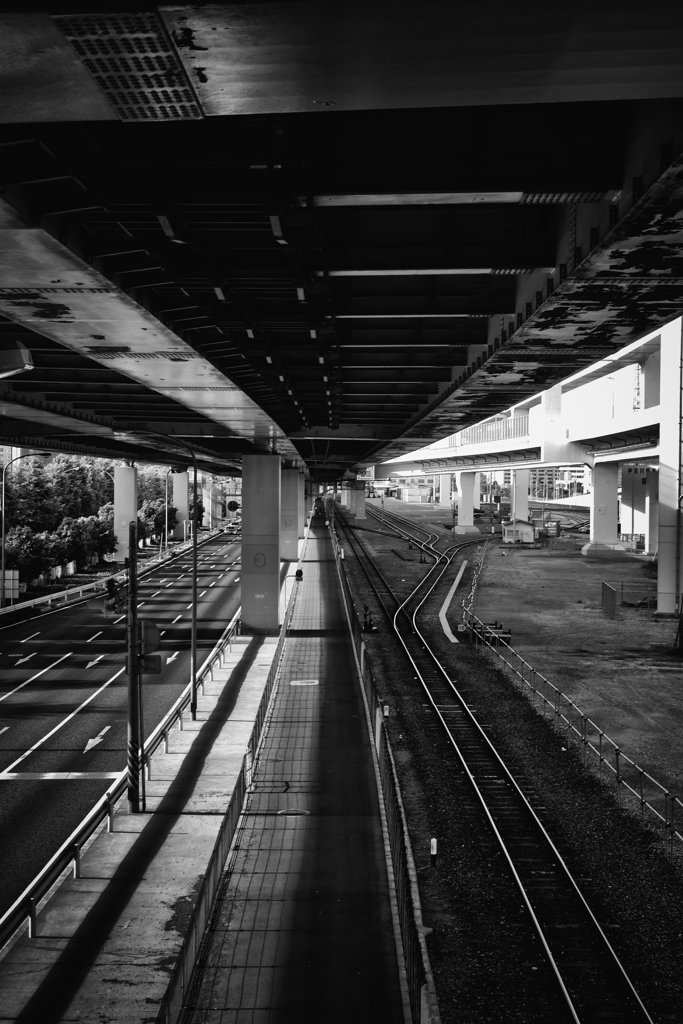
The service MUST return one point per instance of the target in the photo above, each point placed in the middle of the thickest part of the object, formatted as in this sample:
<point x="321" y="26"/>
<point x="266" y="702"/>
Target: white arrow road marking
<point x="236" y="579"/>
<point x="172" y="657"/>
<point x="176" y="619"/>
<point x="63" y="722"/>
<point x="22" y="685"/>
<point x="29" y="638"/>
<point x="98" y="739"/>
<point x="90" y="663"/>
<point x="27" y="658"/>
<point x="93" y="636"/>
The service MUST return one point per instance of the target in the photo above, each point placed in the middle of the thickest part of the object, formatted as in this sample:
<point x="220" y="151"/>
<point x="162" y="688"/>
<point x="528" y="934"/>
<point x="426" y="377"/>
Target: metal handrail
<point x="25" y="906"/>
<point x="568" y="719"/>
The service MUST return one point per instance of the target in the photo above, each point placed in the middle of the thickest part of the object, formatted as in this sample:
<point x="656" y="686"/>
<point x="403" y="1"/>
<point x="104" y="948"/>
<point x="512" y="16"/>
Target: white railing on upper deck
<point x="488" y="430"/>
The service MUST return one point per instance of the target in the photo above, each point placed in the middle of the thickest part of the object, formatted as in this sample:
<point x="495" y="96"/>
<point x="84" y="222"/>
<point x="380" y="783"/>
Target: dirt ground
<point x="622" y="673"/>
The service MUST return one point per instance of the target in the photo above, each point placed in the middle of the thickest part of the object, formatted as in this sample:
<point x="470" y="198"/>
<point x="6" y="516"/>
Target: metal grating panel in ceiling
<point x="134" y="64"/>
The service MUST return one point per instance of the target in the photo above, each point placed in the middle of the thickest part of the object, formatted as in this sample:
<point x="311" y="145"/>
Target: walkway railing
<point x="179" y="985"/>
<point x="26" y="906"/>
<point x="421" y="988"/>
<point x="634" y="788"/>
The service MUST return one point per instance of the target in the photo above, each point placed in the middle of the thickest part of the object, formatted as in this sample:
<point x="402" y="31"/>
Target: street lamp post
<point x="26" y="455"/>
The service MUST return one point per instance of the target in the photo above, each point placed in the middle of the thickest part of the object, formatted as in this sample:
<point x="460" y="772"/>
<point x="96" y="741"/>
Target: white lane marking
<point x="93" y="636"/>
<point x="155" y="593"/>
<point x="141" y="604"/>
<point x="189" y="606"/>
<point x="91" y="663"/>
<point x="202" y="593"/>
<point x="28" y="638"/>
<point x="30" y="776"/>
<point x="213" y="584"/>
<point x="236" y="579"/>
<point x="176" y="619"/>
<point x="444" y="607"/>
<point x="21" y="685"/>
<point x="168" y="585"/>
<point x="27" y="658"/>
<point x="162" y="632"/>
<point x="63" y="722"/>
<point x="97" y="739"/>
<point x="304" y="682"/>
<point x="172" y="657"/>
<point x="120" y="619"/>
<point x="4" y="729"/>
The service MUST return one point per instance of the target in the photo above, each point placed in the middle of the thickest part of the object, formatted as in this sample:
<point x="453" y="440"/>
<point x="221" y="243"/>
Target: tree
<point x="29" y="496"/>
<point x="200" y="507"/>
<point x="25" y="551"/>
<point x="153" y="515"/>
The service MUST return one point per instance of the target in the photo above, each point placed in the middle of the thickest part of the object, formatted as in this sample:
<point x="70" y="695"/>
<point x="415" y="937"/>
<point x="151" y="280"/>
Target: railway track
<point x="588" y="983"/>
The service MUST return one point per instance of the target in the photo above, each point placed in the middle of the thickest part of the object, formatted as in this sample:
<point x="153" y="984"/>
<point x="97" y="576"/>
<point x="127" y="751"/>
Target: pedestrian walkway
<point x="303" y="930"/>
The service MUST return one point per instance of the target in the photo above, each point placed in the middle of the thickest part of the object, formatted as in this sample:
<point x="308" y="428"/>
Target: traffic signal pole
<point x="133" y="674"/>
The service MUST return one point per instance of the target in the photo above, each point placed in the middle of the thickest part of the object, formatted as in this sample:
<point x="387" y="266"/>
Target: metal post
<point x="133" y="674"/>
<point x="193" y="655"/>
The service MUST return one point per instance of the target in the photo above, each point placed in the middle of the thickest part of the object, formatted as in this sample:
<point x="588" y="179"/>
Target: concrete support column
<point x="633" y="497"/>
<point x="604" y="509"/>
<point x="289" y="515"/>
<point x="670" y="540"/>
<point x="125" y="504"/>
<point x="303" y="504"/>
<point x="445" y="489"/>
<point x="520" y="493"/>
<point x="466" y="483"/>
<point x="260" y="544"/>
<point x="476" y="494"/>
<point x="344" y="496"/>
<point x="360" y="501"/>
<point x="181" y="502"/>
<point x="651" y="512"/>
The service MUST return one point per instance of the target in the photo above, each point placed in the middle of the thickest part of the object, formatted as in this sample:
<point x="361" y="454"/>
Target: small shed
<point x="518" y="531"/>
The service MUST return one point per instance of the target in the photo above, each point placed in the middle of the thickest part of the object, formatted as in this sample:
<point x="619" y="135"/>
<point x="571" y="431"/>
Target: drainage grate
<point x="134" y="64"/>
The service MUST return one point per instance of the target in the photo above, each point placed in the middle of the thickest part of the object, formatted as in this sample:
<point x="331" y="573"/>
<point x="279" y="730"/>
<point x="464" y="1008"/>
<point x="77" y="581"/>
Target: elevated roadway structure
<point x="325" y="233"/>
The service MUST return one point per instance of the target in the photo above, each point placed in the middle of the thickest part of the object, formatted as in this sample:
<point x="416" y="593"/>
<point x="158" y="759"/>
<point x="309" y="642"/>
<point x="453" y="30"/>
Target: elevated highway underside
<point x="334" y="231"/>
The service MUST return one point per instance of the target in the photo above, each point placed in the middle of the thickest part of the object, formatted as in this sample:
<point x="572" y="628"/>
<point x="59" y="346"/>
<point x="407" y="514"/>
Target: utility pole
<point x="133" y="674"/>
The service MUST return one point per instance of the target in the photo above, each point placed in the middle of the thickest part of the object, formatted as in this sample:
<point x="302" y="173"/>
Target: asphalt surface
<point x="63" y="701"/>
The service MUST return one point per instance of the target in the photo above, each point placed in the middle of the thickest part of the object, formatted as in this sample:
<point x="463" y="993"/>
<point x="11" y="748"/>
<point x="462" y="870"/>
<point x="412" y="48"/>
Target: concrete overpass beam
<point x="289" y="515"/>
<point x="125" y="504"/>
<point x="260" y="544"/>
<point x="181" y="503"/>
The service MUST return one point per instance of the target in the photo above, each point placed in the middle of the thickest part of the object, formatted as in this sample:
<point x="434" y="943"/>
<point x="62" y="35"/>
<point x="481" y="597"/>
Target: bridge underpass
<point x="264" y="248"/>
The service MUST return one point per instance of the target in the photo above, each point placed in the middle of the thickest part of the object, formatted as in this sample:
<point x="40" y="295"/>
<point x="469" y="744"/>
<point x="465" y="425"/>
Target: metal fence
<point x="634" y="789"/>
<point x="628" y="594"/>
<point x="26" y="905"/>
<point x="609" y="600"/>
<point x="421" y="988"/>
<point x="493" y="430"/>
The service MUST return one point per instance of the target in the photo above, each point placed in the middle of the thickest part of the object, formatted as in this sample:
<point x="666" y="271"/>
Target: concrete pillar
<point x="604" y="509"/>
<point x="445" y="489"/>
<point x="633" y="499"/>
<point x="360" y="501"/>
<point x="651" y="512"/>
<point x="466" y="484"/>
<point x="289" y="515"/>
<point x="125" y="505"/>
<point x="260" y="544"/>
<point x="670" y="540"/>
<point x="181" y="502"/>
<point x="520" y="494"/>
<point x="303" y="504"/>
<point x="344" y="496"/>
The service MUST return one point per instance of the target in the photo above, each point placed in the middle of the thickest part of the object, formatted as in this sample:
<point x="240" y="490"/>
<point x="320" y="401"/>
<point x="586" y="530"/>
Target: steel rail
<point x="480" y="795"/>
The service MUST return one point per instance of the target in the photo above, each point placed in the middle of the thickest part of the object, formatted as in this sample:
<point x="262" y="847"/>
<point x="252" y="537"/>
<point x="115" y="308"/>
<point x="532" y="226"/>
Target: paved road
<point x="63" y="693"/>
